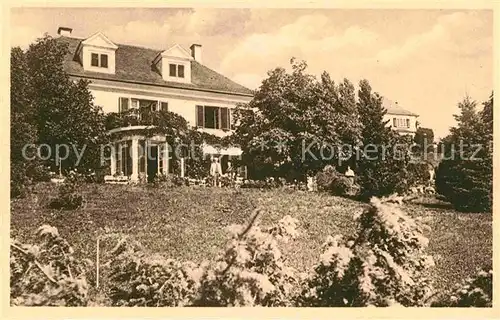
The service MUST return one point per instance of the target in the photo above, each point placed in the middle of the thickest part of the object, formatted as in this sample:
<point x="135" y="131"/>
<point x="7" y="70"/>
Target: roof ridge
<point x="120" y="44"/>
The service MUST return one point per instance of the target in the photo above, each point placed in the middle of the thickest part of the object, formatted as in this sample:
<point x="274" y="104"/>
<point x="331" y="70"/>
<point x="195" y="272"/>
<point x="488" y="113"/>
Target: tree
<point x="424" y="138"/>
<point x="295" y="122"/>
<point x="22" y="132"/>
<point x="383" y="164"/>
<point x="64" y="110"/>
<point x="465" y="176"/>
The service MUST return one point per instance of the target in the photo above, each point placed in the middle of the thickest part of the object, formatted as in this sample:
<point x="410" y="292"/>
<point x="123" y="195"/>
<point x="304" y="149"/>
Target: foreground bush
<point x="383" y="264"/>
<point x="251" y="271"/>
<point x="141" y="279"/>
<point x="47" y="273"/>
<point x="475" y="292"/>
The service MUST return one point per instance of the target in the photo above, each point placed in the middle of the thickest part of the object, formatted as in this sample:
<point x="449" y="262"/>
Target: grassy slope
<point x="188" y="223"/>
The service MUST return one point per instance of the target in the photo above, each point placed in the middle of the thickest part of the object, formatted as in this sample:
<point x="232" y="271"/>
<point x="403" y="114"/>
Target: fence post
<point x="97" y="264"/>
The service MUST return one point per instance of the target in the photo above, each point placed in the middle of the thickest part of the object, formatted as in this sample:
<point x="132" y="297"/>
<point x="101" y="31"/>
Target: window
<point x="126" y="159"/>
<point x="126" y="103"/>
<point x="123" y="158"/>
<point x="212" y="117"/>
<point x="149" y="105"/>
<point x="400" y="123"/>
<point x="176" y="70"/>
<point x="104" y="60"/>
<point x="123" y="104"/>
<point x="95" y="60"/>
<point x="173" y="68"/>
<point x="99" y="60"/>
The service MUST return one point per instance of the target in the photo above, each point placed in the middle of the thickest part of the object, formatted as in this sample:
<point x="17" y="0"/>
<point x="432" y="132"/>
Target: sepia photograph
<point x="251" y="157"/>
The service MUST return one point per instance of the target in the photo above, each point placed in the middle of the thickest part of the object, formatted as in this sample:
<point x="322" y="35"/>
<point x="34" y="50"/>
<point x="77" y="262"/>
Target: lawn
<point x="188" y="223"/>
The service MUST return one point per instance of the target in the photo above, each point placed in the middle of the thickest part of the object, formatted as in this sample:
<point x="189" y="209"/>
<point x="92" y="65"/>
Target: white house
<point x="125" y="77"/>
<point x="400" y="119"/>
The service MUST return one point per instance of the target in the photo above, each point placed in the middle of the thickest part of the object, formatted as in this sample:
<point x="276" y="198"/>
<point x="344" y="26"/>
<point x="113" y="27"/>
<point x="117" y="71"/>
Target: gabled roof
<point x="100" y="40"/>
<point x="177" y="51"/>
<point x="135" y="64"/>
<point x="394" y="108"/>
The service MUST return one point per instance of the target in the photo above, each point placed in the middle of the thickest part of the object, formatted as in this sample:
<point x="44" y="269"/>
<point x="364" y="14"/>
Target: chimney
<point x="64" y="31"/>
<point x="196" y="52"/>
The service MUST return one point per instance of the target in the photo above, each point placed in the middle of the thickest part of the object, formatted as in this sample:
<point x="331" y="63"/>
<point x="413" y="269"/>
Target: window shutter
<point x="407" y="123"/>
<point x="231" y="121"/>
<point x="122" y="104"/>
<point x="163" y="106"/>
<point x="224" y="118"/>
<point x="200" y="117"/>
<point x="104" y="60"/>
<point x="394" y="122"/>
<point x="94" y="60"/>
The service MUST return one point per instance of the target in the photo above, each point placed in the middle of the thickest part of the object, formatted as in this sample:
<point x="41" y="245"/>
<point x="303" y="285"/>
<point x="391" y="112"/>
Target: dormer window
<point x="99" y="60"/>
<point x="176" y="70"/>
<point x="97" y="54"/>
<point x="174" y="64"/>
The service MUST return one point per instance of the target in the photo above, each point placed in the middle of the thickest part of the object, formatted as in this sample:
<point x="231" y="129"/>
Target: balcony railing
<point x="134" y="117"/>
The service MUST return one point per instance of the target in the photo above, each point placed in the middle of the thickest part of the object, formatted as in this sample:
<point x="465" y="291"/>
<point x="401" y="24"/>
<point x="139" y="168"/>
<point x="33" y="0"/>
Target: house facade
<point x="400" y="119"/>
<point x="128" y="79"/>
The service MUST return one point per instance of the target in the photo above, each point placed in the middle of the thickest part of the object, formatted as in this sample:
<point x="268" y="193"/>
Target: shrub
<point x="40" y="173"/>
<point x="170" y="181"/>
<point x="19" y="182"/>
<point x="227" y="182"/>
<point x="334" y="182"/>
<point x="325" y="178"/>
<point x="251" y="271"/>
<point x="466" y="184"/>
<point x="475" y="292"/>
<point x="47" y="274"/>
<point x="341" y="186"/>
<point x="69" y="197"/>
<point x="140" y="279"/>
<point x="383" y="264"/>
<point x="419" y="173"/>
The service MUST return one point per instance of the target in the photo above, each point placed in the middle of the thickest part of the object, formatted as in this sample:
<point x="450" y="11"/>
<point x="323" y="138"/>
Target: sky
<point x="426" y="60"/>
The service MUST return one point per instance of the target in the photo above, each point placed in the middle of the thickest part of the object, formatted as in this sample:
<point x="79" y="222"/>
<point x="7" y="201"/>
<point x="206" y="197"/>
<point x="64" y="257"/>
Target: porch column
<point x="135" y="159"/>
<point x="113" y="160"/>
<point x="166" y="155"/>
